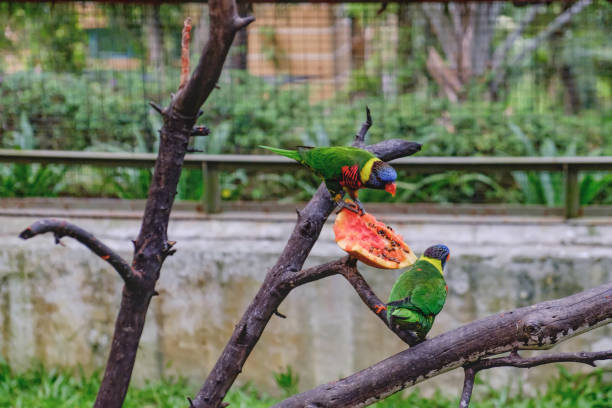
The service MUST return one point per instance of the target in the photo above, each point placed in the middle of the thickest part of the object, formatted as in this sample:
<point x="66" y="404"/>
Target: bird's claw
<point x="380" y="308"/>
<point x="354" y="207"/>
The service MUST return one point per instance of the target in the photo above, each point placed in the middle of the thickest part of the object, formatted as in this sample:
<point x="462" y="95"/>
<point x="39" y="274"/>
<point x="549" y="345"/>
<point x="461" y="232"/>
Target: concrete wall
<point x="58" y="303"/>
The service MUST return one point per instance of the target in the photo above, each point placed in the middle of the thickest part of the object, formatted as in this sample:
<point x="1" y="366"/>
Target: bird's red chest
<point x="350" y="177"/>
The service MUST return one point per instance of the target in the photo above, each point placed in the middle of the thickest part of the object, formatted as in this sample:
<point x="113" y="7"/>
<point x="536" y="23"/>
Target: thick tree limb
<point x="540" y="326"/>
<point x="514" y="359"/>
<point x="61" y="229"/>
<point x="152" y="245"/>
<point x="273" y="290"/>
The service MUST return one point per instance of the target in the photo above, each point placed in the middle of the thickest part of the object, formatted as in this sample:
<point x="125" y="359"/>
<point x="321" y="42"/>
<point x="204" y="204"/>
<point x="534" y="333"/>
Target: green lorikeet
<point x="420" y="292"/>
<point x="344" y="168"/>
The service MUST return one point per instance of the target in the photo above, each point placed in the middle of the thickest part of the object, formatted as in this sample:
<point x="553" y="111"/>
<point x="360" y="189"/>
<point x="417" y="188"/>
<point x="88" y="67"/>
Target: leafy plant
<point x="547" y="187"/>
<point x="25" y="180"/>
<point x="288" y="382"/>
<point x="51" y="388"/>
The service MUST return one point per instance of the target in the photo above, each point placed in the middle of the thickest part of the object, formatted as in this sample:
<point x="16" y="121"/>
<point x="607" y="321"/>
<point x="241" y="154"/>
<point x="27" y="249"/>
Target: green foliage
<point x="473" y="187"/>
<point x="23" y="180"/>
<point x="50" y="33"/>
<point x="546" y="187"/>
<point x="62" y="388"/>
<point x="71" y="112"/>
<point x="64" y="111"/>
<point x="288" y="382"/>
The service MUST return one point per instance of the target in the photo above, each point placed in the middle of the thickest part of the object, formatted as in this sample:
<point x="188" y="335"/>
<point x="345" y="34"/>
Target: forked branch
<point x="514" y="359"/>
<point x="539" y="326"/>
<point x="347" y="267"/>
<point x="287" y="269"/>
<point x="61" y="229"/>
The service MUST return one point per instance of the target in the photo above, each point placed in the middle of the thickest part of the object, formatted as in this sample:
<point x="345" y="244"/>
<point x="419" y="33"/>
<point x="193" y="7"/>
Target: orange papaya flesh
<point x="371" y="241"/>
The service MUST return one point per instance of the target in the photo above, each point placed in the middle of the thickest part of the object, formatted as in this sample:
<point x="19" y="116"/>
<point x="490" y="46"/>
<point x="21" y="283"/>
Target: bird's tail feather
<point x="292" y="154"/>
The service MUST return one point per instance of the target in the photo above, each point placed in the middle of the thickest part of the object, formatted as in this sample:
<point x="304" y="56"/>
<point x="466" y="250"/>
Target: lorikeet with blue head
<point x="420" y="292"/>
<point x="344" y="169"/>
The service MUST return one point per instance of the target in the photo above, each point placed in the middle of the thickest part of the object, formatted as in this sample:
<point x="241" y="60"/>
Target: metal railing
<point x="212" y="164"/>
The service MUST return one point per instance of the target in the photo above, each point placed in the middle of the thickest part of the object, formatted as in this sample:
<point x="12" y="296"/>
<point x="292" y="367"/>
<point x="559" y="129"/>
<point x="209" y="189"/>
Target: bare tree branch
<point x="304" y="276"/>
<point x="540" y="326"/>
<point x="514" y="359"/>
<point x="61" y="229"/>
<point x="185" y="52"/>
<point x="360" y="136"/>
<point x="274" y="288"/>
<point x="367" y="295"/>
<point x="468" y="386"/>
<point x="152" y="245"/>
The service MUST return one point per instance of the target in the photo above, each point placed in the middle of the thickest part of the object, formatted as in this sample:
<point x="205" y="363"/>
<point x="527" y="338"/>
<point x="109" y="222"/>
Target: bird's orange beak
<point x="390" y="188"/>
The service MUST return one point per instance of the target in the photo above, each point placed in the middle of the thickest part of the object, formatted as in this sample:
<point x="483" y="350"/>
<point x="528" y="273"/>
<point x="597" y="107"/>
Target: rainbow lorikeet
<point x="420" y="292"/>
<point x="344" y="169"/>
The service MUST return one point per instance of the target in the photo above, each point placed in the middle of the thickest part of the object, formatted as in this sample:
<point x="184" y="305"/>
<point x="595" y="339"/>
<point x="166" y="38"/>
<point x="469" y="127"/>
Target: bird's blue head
<point x="383" y="176"/>
<point x="439" y="251"/>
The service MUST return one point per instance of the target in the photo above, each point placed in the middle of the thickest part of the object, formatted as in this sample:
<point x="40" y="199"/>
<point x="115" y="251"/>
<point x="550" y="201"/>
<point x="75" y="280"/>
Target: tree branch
<point x="514" y="359"/>
<point x="367" y="295"/>
<point x="152" y="245"/>
<point x="539" y="326"/>
<point x="360" y="136"/>
<point x="304" y="276"/>
<point x="185" y="52"/>
<point x="64" y="228"/>
<point x="347" y="267"/>
<point x="273" y="290"/>
<point x="468" y="386"/>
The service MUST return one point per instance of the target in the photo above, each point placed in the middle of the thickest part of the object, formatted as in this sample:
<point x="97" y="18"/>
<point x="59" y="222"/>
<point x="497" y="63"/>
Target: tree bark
<point x="152" y="246"/>
<point x="276" y="287"/>
<point x="540" y="326"/>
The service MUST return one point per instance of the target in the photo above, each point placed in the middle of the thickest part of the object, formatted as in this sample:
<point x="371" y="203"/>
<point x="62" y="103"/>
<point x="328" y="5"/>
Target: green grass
<point x="41" y="387"/>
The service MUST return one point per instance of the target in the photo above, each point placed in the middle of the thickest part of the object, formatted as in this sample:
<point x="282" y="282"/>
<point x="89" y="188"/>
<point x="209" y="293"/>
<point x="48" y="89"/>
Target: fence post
<point x="572" y="191"/>
<point x="212" y="193"/>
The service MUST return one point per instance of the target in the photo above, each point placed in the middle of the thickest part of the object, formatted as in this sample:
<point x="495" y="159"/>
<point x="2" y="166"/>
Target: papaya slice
<point x="371" y="241"/>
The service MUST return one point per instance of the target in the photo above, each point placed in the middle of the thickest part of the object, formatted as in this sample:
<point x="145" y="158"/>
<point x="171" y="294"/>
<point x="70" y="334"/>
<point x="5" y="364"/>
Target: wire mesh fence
<point x="486" y="78"/>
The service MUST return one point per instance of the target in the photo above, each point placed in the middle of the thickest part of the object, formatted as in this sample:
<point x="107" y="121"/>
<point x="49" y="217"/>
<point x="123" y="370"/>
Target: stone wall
<point x="58" y="303"/>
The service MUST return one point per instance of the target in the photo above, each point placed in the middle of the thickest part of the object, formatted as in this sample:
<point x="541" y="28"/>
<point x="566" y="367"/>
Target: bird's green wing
<point x="420" y="287"/>
<point x="327" y="162"/>
<point x="429" y="295"/>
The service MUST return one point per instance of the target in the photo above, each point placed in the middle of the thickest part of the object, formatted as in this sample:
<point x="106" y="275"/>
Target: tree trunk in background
<point x="405" y="52"/>
<point x="155" y="40"/>
<point x="566" y="73"/>
<point x="239" y="52"/>
<point x="485" y="16"/>
<point x="464" y="32"/>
